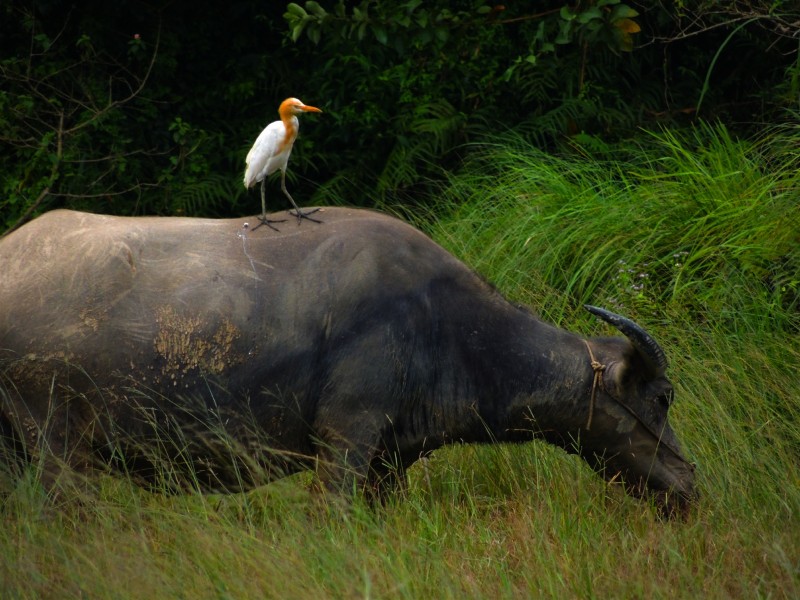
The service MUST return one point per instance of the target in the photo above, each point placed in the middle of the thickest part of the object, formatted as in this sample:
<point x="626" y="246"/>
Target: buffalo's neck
<point x="529" y="378"/>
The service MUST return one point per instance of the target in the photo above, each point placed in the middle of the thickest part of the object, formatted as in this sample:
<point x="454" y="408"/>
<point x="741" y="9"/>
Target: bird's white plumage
<point x="271" y="151"/>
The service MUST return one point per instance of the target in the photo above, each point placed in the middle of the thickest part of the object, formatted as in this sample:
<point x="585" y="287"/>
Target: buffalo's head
<point x="627" y="436"/>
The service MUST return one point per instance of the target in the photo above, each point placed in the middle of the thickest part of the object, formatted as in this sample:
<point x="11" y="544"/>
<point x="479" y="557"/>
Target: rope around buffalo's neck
<point x="597" y="381"/>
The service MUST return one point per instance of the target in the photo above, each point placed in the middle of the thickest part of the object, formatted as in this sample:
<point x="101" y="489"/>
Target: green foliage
<point x="405" y="25"/>
<point x="56" y="109"/>
<point x="131" y="110"/>
<point x="563" y="73"/>
<point x="94" y="116"/>
<point x="417" y="25"/>
<point x="606" y="21"/>
<point x="445" y="74"/>
<point x="698" y="224"/>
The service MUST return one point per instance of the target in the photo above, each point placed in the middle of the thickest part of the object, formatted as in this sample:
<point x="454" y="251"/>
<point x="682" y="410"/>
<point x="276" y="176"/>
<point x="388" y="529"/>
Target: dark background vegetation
<point x="137" y="107"/>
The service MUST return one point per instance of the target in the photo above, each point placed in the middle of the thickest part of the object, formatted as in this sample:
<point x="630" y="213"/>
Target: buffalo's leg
<point x="342" y="466"/>
<point x="345" y="468"/>
<point x="55" y="437"/>
<point x="386" y="478"/>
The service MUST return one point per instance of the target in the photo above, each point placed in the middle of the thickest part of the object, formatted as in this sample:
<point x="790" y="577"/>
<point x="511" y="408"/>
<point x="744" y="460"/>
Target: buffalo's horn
<point x="641" y="340"/>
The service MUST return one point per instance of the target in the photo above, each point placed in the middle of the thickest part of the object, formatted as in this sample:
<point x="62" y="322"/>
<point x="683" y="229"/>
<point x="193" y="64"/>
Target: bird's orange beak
<point x="308" y="108"/>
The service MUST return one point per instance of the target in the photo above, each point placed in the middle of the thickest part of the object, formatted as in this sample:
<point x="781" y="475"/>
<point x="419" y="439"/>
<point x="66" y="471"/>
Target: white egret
<point x="271" y="152"/>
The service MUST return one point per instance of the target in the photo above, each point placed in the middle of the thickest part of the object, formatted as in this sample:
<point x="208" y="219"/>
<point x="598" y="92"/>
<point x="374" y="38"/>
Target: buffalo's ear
<point x="627" y="369"/>
<point x="630" y="378"/>
<point x="617" y="378"/>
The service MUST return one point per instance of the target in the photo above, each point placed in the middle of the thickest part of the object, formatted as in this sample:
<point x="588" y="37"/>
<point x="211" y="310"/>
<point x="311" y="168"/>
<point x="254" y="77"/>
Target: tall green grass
<point x="695" y="223"/>
<point x="711" y="222"/>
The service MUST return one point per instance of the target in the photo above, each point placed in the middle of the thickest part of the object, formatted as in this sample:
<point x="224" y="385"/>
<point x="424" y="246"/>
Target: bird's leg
<point x="299" y="213"/>
<point x="263" y="201"/>
<point x="263" y="220"/>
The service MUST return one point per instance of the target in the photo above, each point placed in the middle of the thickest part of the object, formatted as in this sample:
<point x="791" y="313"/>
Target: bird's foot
<point x="304" y="215"/>
<point x="268" y="222"/>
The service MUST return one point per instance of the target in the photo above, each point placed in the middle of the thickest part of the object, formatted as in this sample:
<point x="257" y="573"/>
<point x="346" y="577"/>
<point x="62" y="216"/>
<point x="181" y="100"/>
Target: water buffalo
<point x="354" y="347"/>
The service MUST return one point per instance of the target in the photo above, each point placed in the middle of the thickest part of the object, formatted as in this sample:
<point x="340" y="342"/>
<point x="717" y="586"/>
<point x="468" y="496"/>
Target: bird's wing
<point x="267" y="146"/>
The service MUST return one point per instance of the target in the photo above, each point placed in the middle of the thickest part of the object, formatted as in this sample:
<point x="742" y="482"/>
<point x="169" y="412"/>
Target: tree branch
<point x="46" y="191"/>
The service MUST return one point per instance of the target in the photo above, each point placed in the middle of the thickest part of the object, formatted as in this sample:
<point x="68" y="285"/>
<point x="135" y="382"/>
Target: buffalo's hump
<point x="201" y="295"/>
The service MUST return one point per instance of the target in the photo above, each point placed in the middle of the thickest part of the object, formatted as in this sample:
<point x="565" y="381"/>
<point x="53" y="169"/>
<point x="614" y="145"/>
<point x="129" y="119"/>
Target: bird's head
<point x="293" y="106"/>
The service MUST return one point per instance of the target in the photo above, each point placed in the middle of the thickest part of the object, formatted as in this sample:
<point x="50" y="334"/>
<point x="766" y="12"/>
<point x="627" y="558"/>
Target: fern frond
<point x="435" y="128"/>
<point x="204" y="196"/>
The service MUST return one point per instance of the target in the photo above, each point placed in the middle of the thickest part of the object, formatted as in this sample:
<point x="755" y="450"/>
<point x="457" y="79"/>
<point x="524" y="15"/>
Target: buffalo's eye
<point x="666" y="397"/>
